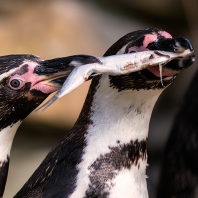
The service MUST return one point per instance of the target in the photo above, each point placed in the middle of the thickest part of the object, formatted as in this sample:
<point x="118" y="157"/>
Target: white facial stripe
<point x="11" y="71"/>
<point x="122" y="50"/>
<point x="6" y="137"/>
<point x="114" y="120"/>
<point x="4" y="75"/>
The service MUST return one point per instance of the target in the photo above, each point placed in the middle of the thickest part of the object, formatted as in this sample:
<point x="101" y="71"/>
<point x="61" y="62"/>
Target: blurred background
<point x="61" y="28"/>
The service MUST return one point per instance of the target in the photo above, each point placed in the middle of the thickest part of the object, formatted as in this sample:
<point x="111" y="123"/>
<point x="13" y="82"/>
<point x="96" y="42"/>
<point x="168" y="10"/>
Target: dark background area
<point x="62" y="28"/>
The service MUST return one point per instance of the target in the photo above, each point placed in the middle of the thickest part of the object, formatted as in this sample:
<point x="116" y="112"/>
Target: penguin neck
<point x="114" y="159"/>
<point x="6" y="138"/>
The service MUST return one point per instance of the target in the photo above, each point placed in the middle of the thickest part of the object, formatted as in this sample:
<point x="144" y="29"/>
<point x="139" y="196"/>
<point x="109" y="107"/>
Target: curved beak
<point x="176" y="45"/>
<point x="52" y="73"/>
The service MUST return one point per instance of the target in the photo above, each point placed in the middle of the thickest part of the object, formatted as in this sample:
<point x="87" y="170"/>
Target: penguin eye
<point x="15" y="83"/>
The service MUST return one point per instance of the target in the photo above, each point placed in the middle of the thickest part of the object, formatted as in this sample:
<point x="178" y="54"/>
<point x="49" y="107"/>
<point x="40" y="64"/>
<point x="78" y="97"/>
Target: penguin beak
<point x="176" y="45"/>
<point x="52" y="73"/>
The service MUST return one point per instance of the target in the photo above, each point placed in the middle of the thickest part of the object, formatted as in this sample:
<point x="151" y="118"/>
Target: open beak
<point x="52" y="73"/>
<point x="176" y="45"/>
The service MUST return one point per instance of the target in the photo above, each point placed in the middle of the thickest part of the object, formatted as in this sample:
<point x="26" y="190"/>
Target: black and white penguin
<point x="179" y="174"/>
<point x="104" y="155"/>
<point x="25" y="81"/>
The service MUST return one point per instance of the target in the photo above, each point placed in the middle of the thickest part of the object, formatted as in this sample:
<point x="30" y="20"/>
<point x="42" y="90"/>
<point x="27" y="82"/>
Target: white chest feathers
<point x="114" y="159"/>
<point x="6" y="138"/>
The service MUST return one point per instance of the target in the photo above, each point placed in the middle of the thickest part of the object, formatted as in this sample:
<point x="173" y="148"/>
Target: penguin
<point x="105" y="153"/>
<point x="25" y="82"/>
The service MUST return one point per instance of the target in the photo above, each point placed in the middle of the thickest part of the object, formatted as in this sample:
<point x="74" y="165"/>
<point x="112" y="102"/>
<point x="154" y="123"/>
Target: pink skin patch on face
<point x="165" y="34"/>
<point x="45" y="88"/>
<point x="155" y="69"/>
<point x="149" y="38"/>
<point x="37" y="82"/>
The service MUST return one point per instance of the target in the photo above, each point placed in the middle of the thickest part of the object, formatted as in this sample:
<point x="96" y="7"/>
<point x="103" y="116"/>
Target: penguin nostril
<point x="178" y="48"/>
